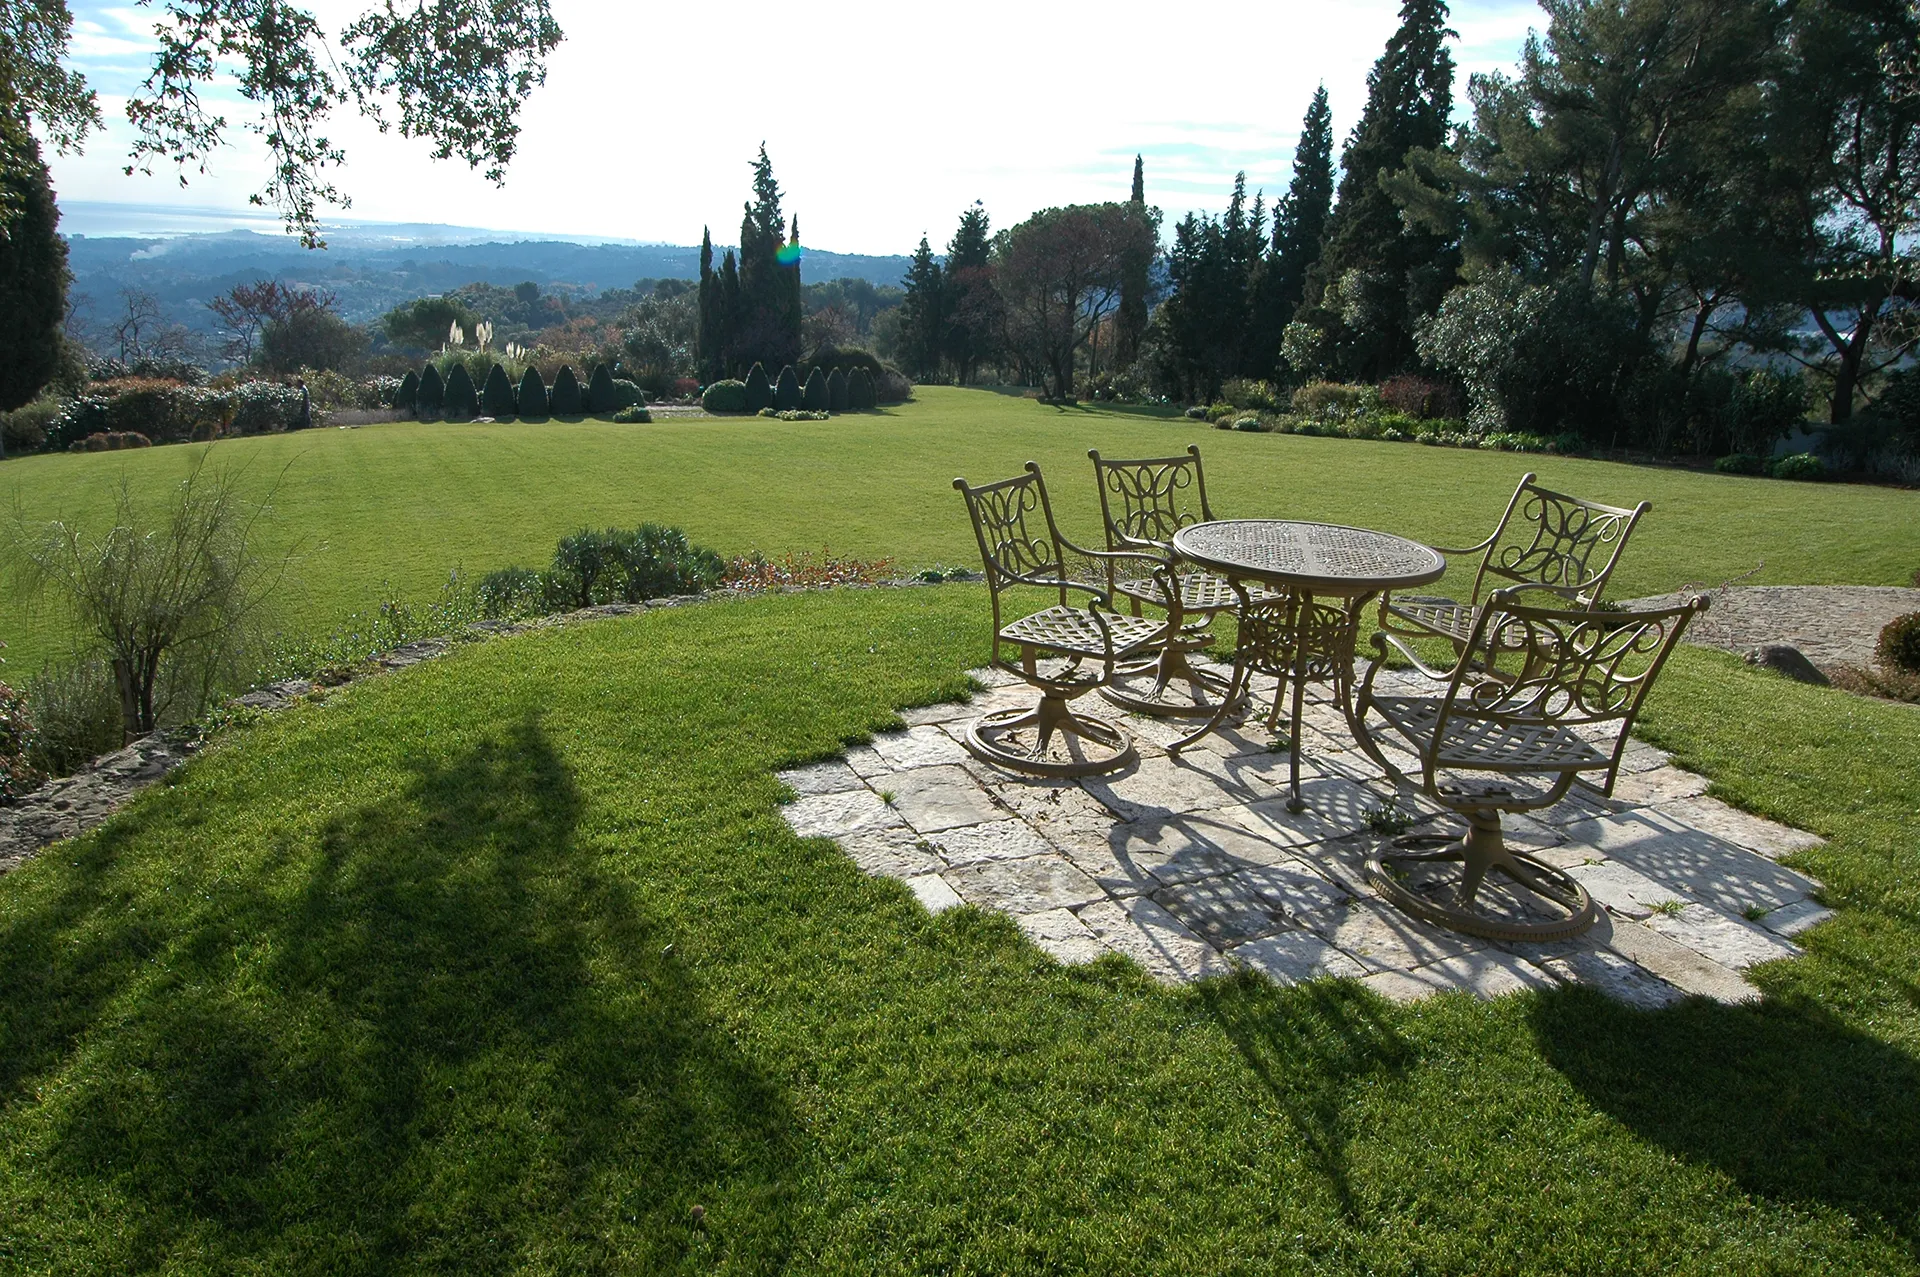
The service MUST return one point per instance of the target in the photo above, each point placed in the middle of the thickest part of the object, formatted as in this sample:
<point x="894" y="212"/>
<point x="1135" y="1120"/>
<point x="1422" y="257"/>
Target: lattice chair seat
<point x="1488" y="744"/>
<point x="1200" y="592"/>
<point x="1443" y="618"/>
<point x="1072" y="629"/>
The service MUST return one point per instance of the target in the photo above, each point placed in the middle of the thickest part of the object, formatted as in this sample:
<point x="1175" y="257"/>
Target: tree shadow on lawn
<point x="449" y="1038"/>
<point x="1780" y="1096"/>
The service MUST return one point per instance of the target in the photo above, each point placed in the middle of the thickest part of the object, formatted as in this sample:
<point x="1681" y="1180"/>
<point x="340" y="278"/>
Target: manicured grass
<point x="508" y="961"/>
<point x="388" y="511"/>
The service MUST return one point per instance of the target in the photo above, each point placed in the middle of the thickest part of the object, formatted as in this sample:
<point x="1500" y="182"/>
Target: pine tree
<point x="564" y="400"/>
<point x="531" y="400"/>
<point x="971" y="302"/>
<point x="432" y="395"/>
<point x="1376" y="278"/>
<point x="1299" y="222"/>
<point x="921" y="318"/>
<point x="33" y="270"/>
<point x="1130" y="324"/>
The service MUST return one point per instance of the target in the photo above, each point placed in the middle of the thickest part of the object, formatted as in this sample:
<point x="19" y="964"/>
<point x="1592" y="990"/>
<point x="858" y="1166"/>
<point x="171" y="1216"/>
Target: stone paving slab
<point x="1191" y="865"/>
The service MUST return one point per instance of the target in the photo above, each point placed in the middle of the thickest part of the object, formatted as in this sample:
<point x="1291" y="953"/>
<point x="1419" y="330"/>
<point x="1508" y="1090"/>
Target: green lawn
<point x="391" y="509"/>
<point x="508" y="961"/>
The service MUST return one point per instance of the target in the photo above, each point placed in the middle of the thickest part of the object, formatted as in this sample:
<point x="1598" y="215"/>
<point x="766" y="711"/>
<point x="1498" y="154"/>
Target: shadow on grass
<point x="1783" y="1098"/>
<point x="1310" y="1046"/>
<point x="437" y="1034"/>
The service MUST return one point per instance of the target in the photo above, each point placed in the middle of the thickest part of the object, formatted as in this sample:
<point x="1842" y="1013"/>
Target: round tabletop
<point x="1323" y="558"/>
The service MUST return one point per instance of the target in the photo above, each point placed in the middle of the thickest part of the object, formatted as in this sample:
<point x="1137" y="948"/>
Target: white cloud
<point x="882" y="120"/>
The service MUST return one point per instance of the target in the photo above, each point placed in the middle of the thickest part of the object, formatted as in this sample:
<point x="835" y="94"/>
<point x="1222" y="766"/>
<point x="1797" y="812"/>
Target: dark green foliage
<point x="33" y="270"/>
<point x="759" y="389"/>
<point x="923" y="315"/>
<point x="629" y="566"/>
<point x="725" y="398"/>
<point x="844" y="357"/>
<point x="860" y="391"/>
<point x="1299" y="224"/>
<point x="1803" y="466"/>
<point x="766" y="327"/>
<point x="632" y="414"/>
<point x="16" y="738"/>
<point x="1899" y="643"/>
<point x="973" y="311"/>
<point x="1740" y="463"/>
<point x="1135" y="275"/>
<point x="76" y="714"/>
<point x="836" y="390"/>
<point x="601" y="396"/>
<point x="432" y="395"/>
<point x="1764" y="408"/>
<point x="786" y="392"/>
<point x="423" y="323"/>
<point x="309" y="337"/>
<point x="510" y="592"/>
<point x="458" y="401"/>
<point x="813" y="396"/>
<point x="406" y="397"/>
<point x="715" y="329"/>
<point x="565" y="399"/>
<point x="496" y="396"/>
<point x="626" y="393"/>
<point x="531" y="401"/>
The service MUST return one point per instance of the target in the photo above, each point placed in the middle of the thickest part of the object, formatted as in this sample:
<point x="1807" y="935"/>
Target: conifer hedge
<point x="837" y="391"/>
<point x="860" y="391"/>
<point x="532" y="399"/>
<point x="786" y="393"/>
<point x="813" y="397"/>
<point x="407" y="397"/>
<point x="496" y="397"/>
<point x="432" y="394"/>
<point x="759" y="389"/>
<point x="601" y="396"/>
<point x="457" y="403"/>
<point x="564" y="401"/>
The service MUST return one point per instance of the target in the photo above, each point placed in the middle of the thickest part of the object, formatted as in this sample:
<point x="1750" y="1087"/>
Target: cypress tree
<point x="407" y="397"/>
<point x="767" y="325"/>
<point x="837" y="391"/>
<point x="564" y="400"/>
<point x="922" y="318"/>
<point x="710" y="345"/>
<point x="759" y="389"/>
<point x="1131" y="322"/>
<point x="457" y="402"/>
<point x="1373" y="269"/>
<point x="729" y="321"/>
<point x="601" y="395"/>
<point x="33" y="270"/>
<point x="814" y="394"/>
<point x="496" y="396"/>
<point x="786" y="392"/>
<point x="532" y="397"/>
<point x="432" y="395"/>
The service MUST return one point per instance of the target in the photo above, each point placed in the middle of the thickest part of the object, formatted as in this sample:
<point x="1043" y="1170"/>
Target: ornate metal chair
<point x="1546" y="540"/>
<point x="1055" y="644"/>
<point x="1143" y="503"/>
<point x="1545" y="698"/>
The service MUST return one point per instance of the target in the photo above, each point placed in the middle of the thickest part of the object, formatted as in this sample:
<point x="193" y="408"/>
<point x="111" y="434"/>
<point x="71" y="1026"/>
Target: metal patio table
<point x="1324" y="574"/>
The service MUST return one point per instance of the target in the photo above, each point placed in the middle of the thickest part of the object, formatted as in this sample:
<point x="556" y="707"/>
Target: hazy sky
<point x="883" y="121"/>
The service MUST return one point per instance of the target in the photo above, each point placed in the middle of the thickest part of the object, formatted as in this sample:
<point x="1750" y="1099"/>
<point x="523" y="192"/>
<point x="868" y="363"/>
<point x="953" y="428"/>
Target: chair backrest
<point x="1144" y="502"/>
<point x="1585" y="671"/>
<point x="1019" y="542"/>
<point x="1548" y="538"/>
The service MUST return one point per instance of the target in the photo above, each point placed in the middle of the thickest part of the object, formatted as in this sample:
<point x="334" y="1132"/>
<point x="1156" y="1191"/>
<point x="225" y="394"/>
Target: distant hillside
<point x="373" y="268"/>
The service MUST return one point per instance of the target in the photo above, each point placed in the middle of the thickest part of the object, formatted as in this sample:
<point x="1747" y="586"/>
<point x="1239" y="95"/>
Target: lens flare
<point x="789" y="254"/>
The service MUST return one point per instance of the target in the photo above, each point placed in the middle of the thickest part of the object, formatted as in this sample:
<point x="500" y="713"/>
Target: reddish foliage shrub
<point x="1420" y="397"/>
<point x="804" y="569"/>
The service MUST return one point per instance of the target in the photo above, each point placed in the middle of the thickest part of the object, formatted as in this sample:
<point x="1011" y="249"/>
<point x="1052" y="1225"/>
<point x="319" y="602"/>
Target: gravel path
<point x="1832" y="625"/>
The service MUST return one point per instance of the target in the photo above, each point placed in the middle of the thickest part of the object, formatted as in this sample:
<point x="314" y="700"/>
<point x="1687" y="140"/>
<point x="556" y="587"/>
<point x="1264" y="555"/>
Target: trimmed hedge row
<point x="823" y="392"/>
<point x="426" y="394"/>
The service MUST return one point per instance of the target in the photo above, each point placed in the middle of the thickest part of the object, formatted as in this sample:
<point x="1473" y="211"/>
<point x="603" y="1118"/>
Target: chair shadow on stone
<point x="1783" y="1098"/>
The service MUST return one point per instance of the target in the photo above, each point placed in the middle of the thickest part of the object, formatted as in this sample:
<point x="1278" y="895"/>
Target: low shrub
<point x="796" y="414"/>
<point x="458" y="402"/>
<point x="627" y="394"/>
<point x="17" y="775"/>
<point x="631" y="414"/>
<point x="164" y="411"/>
<point x="630" y="566"/>
<point x="1516" y="441"/>
<point x="1420" y="397"/>
<point x="1243" y="392"/>
<point x="110" y="441"/>
<point x="1803" y="466"/>
<point x="264" y="407"/>
<point x="565" y="399"/>
<point x="685" y="388"/>
<point x="432" y="395"/>
<point x="1333" y="401"/>
<point x="531" y="399"/>
<point x="893" y="387"/>
<point x="786" y="391"/>
<point x="725" y="398"/>
<point x="1893" y="684"/>
<point x="803" y="569"/>
<point x="1899" y="644"/>
<point x="601" y="396"/>
<point x="813" y="395"/>
<point x="510" y="592"/>
<point x="76" y="712"/>
<point x="1740" y="463"/>
<point x="759" y="389"/>
<point x="1248" y="423"/>
<point x="837" y="391"/>
<point x="1198" y="412"/>
<point x="25" y="428"/>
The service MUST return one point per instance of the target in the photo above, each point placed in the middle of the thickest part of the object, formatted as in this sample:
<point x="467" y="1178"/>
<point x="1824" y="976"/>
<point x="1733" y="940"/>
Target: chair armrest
<point x="1383" y="638"/>
<point x="1469" y="549"/>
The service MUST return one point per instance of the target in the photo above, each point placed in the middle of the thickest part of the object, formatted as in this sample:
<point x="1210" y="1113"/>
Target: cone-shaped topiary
<point x="786" y="391"/>
<point x="860" y="391"/>
<point x="759" y="389"/>
<point x="457" y="404"/>
<point x="837" y="391"/>
<point x="408" y="394"/>
<point x="564" y="401"/>
<point x="532" y="399"/>
<point x="601" y="396"/>
<point x="496" y="397"/>
<point x="431" y="395"/>
<point x="813" y="396"/>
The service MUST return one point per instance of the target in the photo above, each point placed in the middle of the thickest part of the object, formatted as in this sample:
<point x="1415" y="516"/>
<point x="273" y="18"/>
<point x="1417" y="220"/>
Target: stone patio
<point x="1193" y="867"/>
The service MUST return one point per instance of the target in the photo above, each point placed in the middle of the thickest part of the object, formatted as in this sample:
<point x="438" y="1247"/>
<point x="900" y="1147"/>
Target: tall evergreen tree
<point x="971" y="301"/>
<point x="33" y="270"/>
<point x="1131" y="321"/>
<point x="767" y="323"/>
<point x="729" y="321"/>
<point x="710" y="342"/>
<point x="1377" y="278"/>
<point x="922" y="315"/>
<point x="1299" y="222"/>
